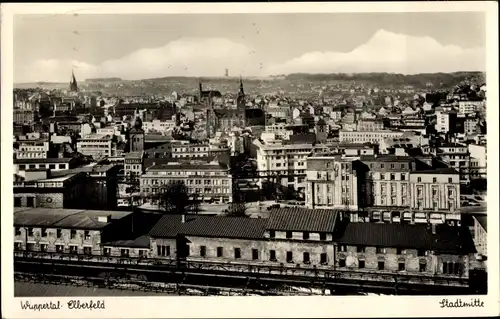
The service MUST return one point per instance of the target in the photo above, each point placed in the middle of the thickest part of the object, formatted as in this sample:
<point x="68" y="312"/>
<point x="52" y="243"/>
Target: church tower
<point x="73" y="86"/>
<point x="241" y="97"/>
<point x="136" y="135"/>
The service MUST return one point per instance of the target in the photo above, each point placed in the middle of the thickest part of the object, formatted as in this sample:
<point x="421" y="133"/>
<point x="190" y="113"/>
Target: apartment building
<point x="187" y="150"/>
<point x="457" y="156"/>
<point x="158" y="126"/>
<point x="368" y="136"/>
<point x="33" y="149"/>
<point x="435" y="196"/>
<point x="470" y="107"/>
<point x="369" y="125"/>
<point x="208" y="181"/>
<point x="96" y="145"/>
<point x="52" y="164"/>
<point x="133" y="166"/>
<point x="331" y="182"/>
<point x="287" y="159"/>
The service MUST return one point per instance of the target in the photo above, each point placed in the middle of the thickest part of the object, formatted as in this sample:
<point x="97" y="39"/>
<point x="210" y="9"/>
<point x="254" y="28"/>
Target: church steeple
<point x="73" y="86"/>
<point x="242" y="92"/>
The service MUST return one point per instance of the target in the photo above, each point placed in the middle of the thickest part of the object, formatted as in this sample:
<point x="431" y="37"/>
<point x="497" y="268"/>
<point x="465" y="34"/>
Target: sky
<point x="47" y="48"/>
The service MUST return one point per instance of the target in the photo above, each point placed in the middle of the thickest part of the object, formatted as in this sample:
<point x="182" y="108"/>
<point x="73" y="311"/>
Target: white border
<point x="239" y="307"/>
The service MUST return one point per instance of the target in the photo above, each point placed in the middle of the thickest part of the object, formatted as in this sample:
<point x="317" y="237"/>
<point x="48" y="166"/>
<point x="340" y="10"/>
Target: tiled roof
<point x="437" y="171"/>
<point x="447" y="238"/>
<point x="210" y="226"/>
<point x="302" y="219"/>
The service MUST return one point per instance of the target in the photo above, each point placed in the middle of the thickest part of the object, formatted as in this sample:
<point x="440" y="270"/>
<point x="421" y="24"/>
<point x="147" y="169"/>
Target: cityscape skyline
<point x="149" y="46"/>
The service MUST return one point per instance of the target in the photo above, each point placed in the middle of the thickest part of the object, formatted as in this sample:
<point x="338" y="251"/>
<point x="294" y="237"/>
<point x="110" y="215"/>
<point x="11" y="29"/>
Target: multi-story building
<point x="52" y="164"/>
<point x="96" y="145"/>
<point x="23" y="116"/>
<point x="187" y="150"/>
<point x="159" y="126"/>
<point x="33" y="149"/>
<point x="369" y="125"/>
<point x="133" y="167"/>
<point x="208" y="181"/>
<point x="67" y="231"/>
<point x="368" y="136"/>
<point x="478" y="161"/>
<point x="435" y="196"/>
<point x="480" y="233"/>
<point x="60" y="192"/>
<point x="285" y="159"/>
<point x="446" y="120"/>
<point x="470" y="107"/>
<point x="331" y="183"/>
<point x="471" y="126"/>
<point x="457" y="156"/>
<point x="427" y="251"/>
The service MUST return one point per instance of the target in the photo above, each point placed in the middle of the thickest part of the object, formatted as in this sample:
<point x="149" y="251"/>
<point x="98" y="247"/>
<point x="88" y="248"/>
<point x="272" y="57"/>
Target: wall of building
<point x="93" y="239"/>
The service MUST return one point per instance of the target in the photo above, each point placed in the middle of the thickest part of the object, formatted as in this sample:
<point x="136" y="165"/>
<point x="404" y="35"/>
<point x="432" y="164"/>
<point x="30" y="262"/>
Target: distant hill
<point x="94" y="80"/>
<point x="446" y="79"/>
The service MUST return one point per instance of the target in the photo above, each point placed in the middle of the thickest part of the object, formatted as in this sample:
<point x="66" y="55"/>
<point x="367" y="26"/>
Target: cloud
<point x="389" y="52"/>
<point x="383" y="52"/>
<point x="183" y="57"/>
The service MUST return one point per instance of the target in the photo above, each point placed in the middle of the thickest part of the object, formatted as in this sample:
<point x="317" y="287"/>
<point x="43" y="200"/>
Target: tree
<point x="237" y="210"/>
<point x="174" y="197"/>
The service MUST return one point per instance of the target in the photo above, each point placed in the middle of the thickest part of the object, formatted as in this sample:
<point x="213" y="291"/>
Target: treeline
<point x="418" y="80"/>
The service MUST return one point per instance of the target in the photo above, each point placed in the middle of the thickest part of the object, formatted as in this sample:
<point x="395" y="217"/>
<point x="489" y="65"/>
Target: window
<point x="382" y="176"/>
<point x="163" y="250"/>
<point x="422" y="267"/>
<point x="17" y="201"/>
<point x="289" y="234"/>
<point x="30" y="231"/>
<point x="322" y="236"/>
<point x="419" y="179"/>
<point x="203" y="251"/>
<point x="87" y="250"/>
<point x="306" y="235"/>
<point x="73" y="249"/>
<point x="220" y="252"/>
<point x="44" y="232"/>
<point x="381" y="265"/>
<point x="381" y="250"/>
<point x="343" y="248"/>
<point x="73" y="234"/>
<point x="86" y="235"/>
<point x="124" y="252"/>
<point x="393" y="177"/>
<point x="52" y="166"/>
<point x="403" y="177"/>
<point x="450" y="180"/>
<point x="255" y="254"/>
<point x="61" y="166"/>
<point x="142" y="252"/>
<point x="360" y="249"/>
<point x="107" y="251"/>
<point x="18" y="231"/>
<point x="323" y="259"/>
<point x="421" y="252"/>
<point x="361" y="264"/>
<point x="18" y="246"/>
<point x="400" y="251"/>
<point x="401" y="266"/>
<point x="59" y="233"/>
<point x="434" y="179"/>
<point x="272" y="234"/>
<point x="306" y="258"/>
<point x="342" y="262"/>
<point x="272" y="255"/>
<point x="237" y="253"/>
<point x="289" y="257"/>
<point x="30" y="201"/>
<point x="59" y="248"/>
<point x="43" y="247"/>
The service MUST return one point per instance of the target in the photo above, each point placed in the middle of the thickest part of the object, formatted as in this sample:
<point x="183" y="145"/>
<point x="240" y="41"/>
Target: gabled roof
<point x="447" y="238"/>
<point x="302" y="219"/>
<point x="170" y="226"/>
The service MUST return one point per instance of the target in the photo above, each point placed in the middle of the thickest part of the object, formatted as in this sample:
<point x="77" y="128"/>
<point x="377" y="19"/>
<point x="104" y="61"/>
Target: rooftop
<point x="419" y="236"/>
<point x="64" y="218"/>
<point x="302" y="219"/>
<point x="170" y="226"/>
<point x="191" y="165"/>
<point x="42" y="160"/>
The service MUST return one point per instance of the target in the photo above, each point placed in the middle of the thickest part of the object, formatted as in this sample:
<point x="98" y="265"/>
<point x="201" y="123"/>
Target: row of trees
<point x="174" y="198"/>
